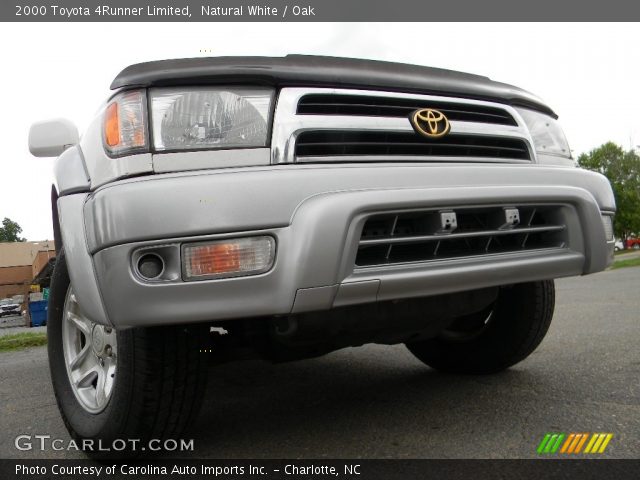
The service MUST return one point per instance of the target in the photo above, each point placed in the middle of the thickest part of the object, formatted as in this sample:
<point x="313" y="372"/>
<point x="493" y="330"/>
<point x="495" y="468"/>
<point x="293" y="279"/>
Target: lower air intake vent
<point x="426" y="235"/>
<point x="330" y="145"/>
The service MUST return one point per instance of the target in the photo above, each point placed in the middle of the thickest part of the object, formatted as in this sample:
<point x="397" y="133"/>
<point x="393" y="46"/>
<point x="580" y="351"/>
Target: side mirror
<point x="50" y="138"/>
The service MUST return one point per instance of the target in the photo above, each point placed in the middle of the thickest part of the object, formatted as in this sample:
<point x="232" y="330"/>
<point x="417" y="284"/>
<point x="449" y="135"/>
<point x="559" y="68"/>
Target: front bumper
<point x="316" y="213"/>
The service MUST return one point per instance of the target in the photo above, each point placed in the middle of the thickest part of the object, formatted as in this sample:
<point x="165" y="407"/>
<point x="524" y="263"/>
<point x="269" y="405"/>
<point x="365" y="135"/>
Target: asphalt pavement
<point x="380" y="402"/>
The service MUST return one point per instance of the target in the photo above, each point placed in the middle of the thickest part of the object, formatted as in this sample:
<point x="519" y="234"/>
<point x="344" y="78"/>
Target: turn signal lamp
<point x="607" y="223"/>
<point x="228" y="258"/>
<point x="125" y="130"/>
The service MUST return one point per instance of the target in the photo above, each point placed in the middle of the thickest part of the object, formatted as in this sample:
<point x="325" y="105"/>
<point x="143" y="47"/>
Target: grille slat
<point x="376" y="106"/>
<point x="451" y="236"/>
<point x="415" y="237"/>
<point x="370" y="143"/>
<point x="373" y="145"/>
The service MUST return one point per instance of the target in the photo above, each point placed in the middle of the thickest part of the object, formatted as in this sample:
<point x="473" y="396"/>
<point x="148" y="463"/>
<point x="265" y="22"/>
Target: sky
<point x="588" y="73"/>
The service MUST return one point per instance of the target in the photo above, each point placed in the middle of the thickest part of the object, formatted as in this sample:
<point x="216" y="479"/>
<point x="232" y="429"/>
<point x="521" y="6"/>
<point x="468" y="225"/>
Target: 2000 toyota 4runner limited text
<point x="293" y="206"/>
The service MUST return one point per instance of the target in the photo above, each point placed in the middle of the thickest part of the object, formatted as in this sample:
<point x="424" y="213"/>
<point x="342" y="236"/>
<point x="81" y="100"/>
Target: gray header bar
<point x="316" y="10"/>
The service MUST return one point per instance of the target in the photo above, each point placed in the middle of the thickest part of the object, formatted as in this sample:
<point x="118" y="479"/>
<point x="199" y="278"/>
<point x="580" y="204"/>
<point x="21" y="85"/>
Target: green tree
<point x="623" y="171"/>
<point x="10" y="231"/>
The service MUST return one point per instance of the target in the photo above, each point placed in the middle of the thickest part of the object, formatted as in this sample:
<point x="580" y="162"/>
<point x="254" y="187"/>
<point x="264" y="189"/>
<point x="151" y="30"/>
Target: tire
<point x="504" y="334"/>
<point x="158" y="382"/>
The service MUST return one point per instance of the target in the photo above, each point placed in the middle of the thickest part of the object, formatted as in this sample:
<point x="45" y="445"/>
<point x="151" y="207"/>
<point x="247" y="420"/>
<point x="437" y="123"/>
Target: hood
<point x="317" y="71"/>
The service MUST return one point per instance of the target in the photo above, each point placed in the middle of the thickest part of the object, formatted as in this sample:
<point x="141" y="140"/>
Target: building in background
<point x="21" y="263"/>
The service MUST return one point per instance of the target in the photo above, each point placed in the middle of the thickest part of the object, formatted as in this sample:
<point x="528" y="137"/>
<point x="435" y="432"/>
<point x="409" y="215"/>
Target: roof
<point x="19" y="254"/>
<point x="306" y="70"/>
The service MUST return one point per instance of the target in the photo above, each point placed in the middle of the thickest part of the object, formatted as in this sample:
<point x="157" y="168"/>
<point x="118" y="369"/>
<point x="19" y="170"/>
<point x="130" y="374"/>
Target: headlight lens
<point x="209" y="118"/>
<point x="547" y="134"/>
<point x="125" y="129"/>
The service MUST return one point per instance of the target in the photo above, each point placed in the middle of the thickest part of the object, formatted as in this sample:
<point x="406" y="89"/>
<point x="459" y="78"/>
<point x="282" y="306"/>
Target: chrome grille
<point x="340" y="125"/>
<point x="397" y="144"/>
<point x="417" y="236"/>
<point x="381" y="106"/>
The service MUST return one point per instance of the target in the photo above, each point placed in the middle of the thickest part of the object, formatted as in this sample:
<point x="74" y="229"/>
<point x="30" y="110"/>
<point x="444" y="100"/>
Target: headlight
<point x="209" y="118"/>
<point x="125" y="130"/>
<point x="548" y="137"/>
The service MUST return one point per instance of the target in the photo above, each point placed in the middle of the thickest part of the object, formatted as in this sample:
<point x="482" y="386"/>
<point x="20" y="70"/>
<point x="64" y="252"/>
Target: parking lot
<point x="379" y="402"/>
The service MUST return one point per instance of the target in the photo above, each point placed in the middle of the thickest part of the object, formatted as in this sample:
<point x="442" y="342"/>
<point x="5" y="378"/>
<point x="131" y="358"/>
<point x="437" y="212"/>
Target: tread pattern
<point x="543" y="312"/>
<point x="169" y="376"/>
<point x="521" y="318"/>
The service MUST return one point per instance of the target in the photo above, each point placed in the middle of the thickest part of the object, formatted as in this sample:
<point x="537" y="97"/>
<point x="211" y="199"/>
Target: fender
<point x="79" y="261"/>
<point x="68" y="196"/>
<point x="70" y="176"/>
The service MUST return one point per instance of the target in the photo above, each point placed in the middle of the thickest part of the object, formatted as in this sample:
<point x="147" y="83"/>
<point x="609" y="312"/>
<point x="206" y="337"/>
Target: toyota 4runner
<point x="293" y="206"/>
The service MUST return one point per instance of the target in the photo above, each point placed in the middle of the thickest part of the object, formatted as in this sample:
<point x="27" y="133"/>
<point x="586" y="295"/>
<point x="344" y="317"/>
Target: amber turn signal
<point x="112" y="125"/>
<point x="228" y="258"/>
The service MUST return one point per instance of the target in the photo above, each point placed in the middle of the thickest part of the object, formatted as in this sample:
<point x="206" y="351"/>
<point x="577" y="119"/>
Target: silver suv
<point x="294" y="206"/>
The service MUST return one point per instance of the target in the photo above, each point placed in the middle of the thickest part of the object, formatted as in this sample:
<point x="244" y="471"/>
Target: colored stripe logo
<point x="574" y="443"/>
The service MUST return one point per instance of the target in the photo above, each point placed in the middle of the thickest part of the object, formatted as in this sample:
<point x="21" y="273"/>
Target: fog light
<point x="228" y="258"/>
<point x="150" y="266"/>
<point x="607" y="223"/>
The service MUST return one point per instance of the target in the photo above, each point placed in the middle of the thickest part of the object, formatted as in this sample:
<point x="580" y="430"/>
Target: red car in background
<point x="632" y="243"/>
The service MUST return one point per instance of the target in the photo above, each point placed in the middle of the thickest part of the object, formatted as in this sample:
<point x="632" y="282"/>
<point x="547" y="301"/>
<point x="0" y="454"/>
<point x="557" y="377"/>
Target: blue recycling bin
<point x="38" y="313"/>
